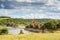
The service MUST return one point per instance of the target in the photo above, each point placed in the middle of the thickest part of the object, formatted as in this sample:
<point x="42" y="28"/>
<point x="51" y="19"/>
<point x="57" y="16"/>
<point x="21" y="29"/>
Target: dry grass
<point x="32" y="36"/>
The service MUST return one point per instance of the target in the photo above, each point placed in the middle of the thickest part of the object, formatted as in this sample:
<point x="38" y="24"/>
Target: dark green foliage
<point x="58" y="25"/>
<point x="50" y="26"/>
<point x="3" y="31"/>
<point x="21" y="32"/>
<point x="4" y="17"/>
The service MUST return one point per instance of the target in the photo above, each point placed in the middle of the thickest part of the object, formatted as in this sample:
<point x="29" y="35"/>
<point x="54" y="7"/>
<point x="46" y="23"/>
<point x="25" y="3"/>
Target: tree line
<point x="50" y="26"/>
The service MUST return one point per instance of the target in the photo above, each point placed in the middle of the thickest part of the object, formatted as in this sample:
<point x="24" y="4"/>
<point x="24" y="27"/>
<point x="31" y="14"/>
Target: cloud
<point x="28" y="0"/>
<point x="32" y="16"/>
<point x="23" y="0"/>
<point x="41" y="15"/>
<point x="29" y="13"/>
<point x="25" y="9"/>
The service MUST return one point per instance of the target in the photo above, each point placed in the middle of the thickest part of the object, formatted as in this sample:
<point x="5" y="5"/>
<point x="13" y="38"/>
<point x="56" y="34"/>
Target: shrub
<point x="21" y="32"/>
<point x="3" y="31"/>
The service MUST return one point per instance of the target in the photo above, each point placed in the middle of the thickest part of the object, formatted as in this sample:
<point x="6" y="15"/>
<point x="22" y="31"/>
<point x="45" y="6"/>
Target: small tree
<point x="21" y="32"/>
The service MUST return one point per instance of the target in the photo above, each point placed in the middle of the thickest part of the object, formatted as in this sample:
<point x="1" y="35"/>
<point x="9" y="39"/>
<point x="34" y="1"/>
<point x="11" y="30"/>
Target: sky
<point x="30" y="9"/>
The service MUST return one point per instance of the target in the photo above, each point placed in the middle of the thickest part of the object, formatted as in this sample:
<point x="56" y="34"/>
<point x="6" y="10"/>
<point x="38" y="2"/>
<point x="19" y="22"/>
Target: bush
<point x="21" y="32"/>
<point x="3" y="31"/>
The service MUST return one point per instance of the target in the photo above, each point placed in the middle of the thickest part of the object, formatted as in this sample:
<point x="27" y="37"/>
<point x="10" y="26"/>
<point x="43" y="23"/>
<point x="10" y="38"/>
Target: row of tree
<point x="50" y="26"/>
<point x="4" y="20"/>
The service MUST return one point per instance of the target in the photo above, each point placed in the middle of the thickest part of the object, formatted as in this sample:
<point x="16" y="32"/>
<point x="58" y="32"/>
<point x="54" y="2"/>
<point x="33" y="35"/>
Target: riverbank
<point x="17" y="30"/>
<point x="32" y="36"/>
<point x="21" y="26"/>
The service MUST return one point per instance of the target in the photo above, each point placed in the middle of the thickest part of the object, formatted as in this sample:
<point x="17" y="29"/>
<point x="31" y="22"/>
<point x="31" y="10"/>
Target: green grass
<point x="32" y="36"/>
<point x="3" y="18"/>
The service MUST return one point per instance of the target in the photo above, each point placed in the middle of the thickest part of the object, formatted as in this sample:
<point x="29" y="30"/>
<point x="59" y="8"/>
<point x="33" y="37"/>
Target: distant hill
<point x="4" y="17"/>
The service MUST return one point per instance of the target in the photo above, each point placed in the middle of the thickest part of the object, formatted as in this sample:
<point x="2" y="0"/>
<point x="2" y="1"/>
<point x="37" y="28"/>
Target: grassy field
<point x="32" y="36"/>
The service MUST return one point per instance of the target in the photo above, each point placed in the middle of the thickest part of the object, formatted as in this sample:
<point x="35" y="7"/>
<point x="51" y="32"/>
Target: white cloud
<point x="7" y="12"/>
<point x="31" y="0"/>
<point x="23" y="0"/>
<point x="29" y="13"/>
<point x="35" y="12"/>
<point x="41" y="15"/>
<point x="50" y="2"/>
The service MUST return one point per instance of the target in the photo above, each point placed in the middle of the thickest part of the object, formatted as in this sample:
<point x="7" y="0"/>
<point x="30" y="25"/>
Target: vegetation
<point x="20" y="21"/>
<point x="21" y="32"/>
<point x="50" y="26"/>
<point x="3" y="30"/>
<point x="32" y="36"/>
<point x="41" y="24"/>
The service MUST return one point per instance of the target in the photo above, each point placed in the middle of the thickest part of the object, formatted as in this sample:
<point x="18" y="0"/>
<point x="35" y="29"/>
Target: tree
<point x="4" y="17"/>
<point x="58" y="25"/>
<point x="21" y="32"/>
<point x="36" y="26"/>
<point x="50" y="26"/>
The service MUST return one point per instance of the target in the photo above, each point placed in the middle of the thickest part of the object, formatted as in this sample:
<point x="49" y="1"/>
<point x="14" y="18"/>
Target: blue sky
<point x="30" y="9"/>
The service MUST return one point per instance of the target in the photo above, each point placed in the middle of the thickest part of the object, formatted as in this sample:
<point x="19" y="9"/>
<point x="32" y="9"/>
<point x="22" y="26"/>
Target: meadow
<point x="51" y="24"/>
<point x="32" y="36"/>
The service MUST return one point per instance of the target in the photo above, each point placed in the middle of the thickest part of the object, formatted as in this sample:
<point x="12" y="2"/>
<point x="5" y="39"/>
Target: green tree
<point x="58" y="26"/>
<point x="3" y="31"/>
<point x="21" y="32"/>
<point x="50" y="26"/>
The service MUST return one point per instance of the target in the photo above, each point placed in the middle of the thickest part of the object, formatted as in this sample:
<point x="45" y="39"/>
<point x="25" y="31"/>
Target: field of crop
<point x="32" y="36"/>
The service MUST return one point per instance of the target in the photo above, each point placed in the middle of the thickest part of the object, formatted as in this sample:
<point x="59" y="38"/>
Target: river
<point x="12" y="30"/>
